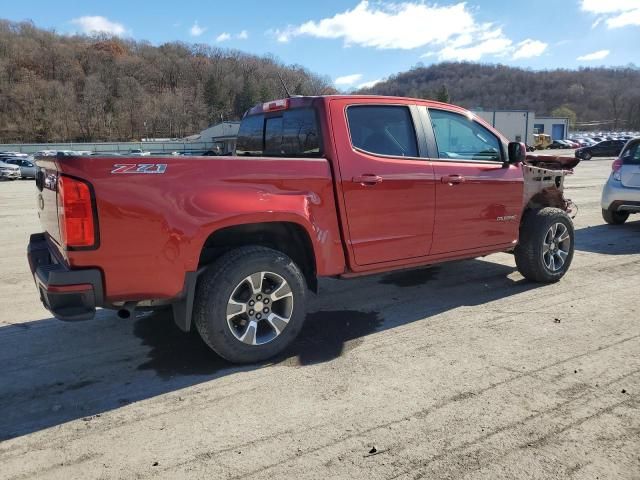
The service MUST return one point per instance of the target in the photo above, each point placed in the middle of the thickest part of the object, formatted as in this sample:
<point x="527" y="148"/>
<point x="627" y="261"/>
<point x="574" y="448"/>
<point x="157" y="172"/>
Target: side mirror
<point x="517" y="152"/>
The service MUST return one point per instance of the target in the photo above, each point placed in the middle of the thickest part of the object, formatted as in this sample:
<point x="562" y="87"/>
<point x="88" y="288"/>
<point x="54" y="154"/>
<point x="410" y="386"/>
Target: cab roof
<point x="308" y="101"/>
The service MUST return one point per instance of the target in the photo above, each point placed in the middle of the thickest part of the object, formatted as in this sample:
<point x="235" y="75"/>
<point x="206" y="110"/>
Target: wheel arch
<point x="290" y="238"/>
<point x="547" y="197"/>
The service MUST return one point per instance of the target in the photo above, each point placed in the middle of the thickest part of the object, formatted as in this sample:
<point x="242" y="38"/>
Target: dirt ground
<point x="463" y="370"/>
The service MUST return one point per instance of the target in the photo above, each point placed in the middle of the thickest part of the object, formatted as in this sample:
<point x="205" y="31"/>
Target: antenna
<point x="284" y="85"/>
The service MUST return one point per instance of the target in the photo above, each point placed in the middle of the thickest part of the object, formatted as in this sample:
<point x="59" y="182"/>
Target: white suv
<point x="621" y="194"/>
<point x="8" y="171"/>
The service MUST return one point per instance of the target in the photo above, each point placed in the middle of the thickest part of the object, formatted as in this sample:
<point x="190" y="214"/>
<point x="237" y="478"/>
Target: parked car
<point x="606" y="148"/>
<point x="621" y="193"/>
<point x="9" y="171"/>
<point x="234" y="243"/>
<point x="26" y="165"/>
<point x="136" y="152"/>
<point x="559" y="144"/>
<point x="13" y="154"/>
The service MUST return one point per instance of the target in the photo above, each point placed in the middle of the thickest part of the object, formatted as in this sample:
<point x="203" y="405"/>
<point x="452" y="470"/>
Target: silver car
<point x="621" y="194"/>
<point x="9" y="172"/>
<point x="26" y="165"/>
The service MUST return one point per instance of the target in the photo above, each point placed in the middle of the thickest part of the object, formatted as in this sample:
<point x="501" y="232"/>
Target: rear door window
<point x="290" y="133"/>
<point x="383" y="130"/>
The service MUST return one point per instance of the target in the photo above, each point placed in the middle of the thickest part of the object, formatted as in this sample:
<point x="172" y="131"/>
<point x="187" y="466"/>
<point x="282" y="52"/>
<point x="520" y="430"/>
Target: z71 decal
<point x="139" y="168"/>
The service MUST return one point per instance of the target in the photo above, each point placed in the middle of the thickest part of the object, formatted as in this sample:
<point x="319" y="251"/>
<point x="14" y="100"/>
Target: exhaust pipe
<point x="127" y="310"/>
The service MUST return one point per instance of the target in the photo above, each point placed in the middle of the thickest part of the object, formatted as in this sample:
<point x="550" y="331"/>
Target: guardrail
<point x="110" y="147"/>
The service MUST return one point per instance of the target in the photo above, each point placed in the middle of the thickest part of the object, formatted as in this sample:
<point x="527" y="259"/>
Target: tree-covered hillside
<point x="59" y="88"/>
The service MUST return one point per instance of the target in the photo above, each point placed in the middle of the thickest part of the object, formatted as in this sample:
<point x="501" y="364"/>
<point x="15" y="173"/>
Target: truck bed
<point x="155" y="213"/>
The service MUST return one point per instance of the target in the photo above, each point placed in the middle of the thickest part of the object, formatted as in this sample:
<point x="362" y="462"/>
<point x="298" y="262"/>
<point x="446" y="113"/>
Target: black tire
<point x="586" y="156"/>
<point x="215" y="288"/>
<point x="529" y="253"/>
<point x="614" y="218"/>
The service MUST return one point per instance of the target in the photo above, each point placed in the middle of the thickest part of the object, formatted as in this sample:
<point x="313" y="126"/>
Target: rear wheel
<point x="545" y="249"/>
<point x="614" y="218"/>
<point x="250" y="304"/>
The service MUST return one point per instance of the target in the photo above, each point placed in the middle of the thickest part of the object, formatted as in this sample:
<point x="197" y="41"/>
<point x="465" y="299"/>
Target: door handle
<point x="367" y="179"/>
<point x="453" y="179"/>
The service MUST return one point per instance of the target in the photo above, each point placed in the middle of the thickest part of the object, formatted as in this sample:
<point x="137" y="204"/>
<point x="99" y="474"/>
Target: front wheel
<point x="545" y="249"/>
<point x="250" y="304"/>
<point x="586" y="156"/>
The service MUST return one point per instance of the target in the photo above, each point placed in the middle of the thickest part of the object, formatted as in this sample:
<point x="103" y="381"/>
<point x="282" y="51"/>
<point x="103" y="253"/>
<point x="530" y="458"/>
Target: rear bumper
<point x="69" y="295"/>
<point x="616" y="197"/>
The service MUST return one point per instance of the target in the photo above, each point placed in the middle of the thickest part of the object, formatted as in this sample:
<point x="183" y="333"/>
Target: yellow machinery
<point x="541" y="141"/>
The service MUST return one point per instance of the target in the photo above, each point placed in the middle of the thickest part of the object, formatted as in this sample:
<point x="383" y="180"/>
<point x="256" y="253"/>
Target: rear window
<point x="289" y="133"/>
<point x="631" y="156"/>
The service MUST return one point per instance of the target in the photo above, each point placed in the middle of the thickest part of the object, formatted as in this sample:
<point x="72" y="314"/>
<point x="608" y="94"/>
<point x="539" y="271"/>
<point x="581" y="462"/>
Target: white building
<point x="557" y="127"/>
<point x="223" y="135"/>
<point x="521" y="125"/>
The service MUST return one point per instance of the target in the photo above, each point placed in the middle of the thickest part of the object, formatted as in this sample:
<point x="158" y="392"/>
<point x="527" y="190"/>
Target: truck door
<point x="478" y="199"/>
<point x="387" y="187"/>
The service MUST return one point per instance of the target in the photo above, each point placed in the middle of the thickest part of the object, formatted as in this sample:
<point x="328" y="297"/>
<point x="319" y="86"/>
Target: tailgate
<point x="47" y="201"/>
<point x="630" y="175"/>
<point x="630" y="170"/>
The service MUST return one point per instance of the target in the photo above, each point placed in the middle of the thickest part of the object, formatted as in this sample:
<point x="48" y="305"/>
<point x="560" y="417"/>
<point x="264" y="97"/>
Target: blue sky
<point x="359" y="42"/>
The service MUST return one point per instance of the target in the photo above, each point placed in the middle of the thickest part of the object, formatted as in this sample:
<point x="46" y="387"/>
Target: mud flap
<point x="183" y="309"/>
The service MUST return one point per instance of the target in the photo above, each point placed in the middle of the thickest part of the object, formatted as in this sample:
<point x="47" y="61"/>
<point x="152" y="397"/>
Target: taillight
<point x="615" y="167"/>
<point x="276" y="105"/>
<point x="75" y="213"/>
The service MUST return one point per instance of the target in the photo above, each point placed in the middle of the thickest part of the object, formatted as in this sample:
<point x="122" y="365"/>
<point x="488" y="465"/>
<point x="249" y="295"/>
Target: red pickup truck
<point x="329" y="186"/>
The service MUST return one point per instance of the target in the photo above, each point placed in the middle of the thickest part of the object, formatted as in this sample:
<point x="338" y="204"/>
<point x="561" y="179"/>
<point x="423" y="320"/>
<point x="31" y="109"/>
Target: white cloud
<point x="97" y="24"/>
<point x="625" y="19"/>
<point x="387" y="25"/>
<point x="282" y="36"/>
<point x="615" y="13"/>
<point x="223" y="37"/>
<point x="451" y="31"/>
<point x="529" y="48"/>
<point x="348" y="79"/>
<point x="599" y="55"/>
<point x="369" y="84"/>
<point x="609" y="6"/>
<point x="491" y="46"/>
<point x="196" y="30"/>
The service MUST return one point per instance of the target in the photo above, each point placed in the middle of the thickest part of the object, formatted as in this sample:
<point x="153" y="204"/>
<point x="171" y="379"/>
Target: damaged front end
<point x="544" y="182"/>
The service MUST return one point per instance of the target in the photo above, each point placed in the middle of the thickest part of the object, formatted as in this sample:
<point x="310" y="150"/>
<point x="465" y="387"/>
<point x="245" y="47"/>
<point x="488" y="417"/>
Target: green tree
<point x="442" y="95"/>
<point x="565" y="112"/>
<point x="247" y="97"/>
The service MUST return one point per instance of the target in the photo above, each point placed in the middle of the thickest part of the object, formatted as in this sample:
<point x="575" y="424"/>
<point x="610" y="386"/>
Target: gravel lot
<point x="463" y="370"/>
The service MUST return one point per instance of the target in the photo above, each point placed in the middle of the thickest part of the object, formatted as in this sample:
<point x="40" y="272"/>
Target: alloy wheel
<point x="556" y="246"/>
<point x="260" y="308"/>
